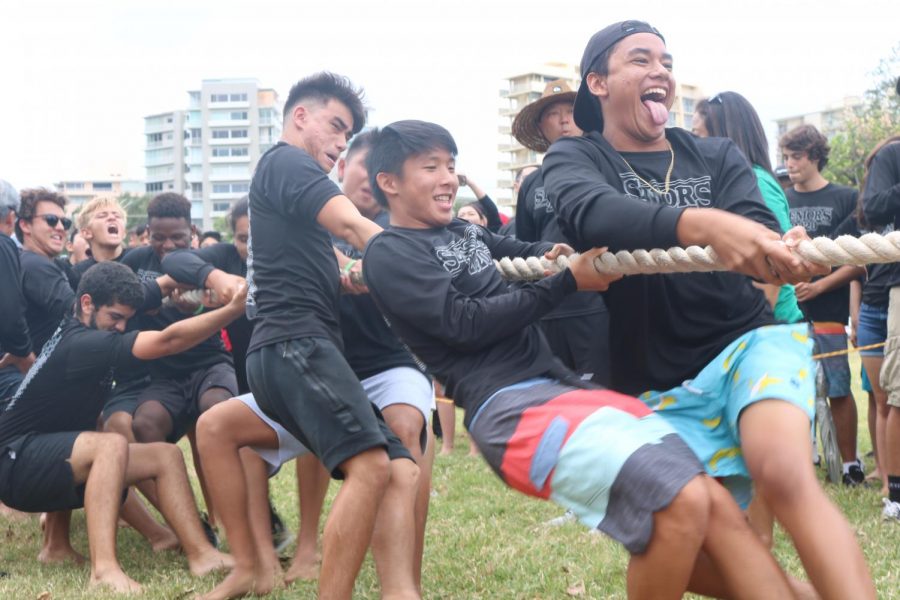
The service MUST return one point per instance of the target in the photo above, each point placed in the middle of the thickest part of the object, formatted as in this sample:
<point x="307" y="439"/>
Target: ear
<point x="341" y="166"/>
<point x="87" y="234"/>
<point x="86" y="304"/>
<point x="299" y="114"/>
<point x="388" y="183"/>
<point x="597" y="85"/>
<point x="25" y="226"/>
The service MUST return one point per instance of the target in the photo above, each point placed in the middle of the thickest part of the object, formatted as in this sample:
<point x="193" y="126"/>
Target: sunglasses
<point x="53" y="221"/>
<point x="717" y="99"/>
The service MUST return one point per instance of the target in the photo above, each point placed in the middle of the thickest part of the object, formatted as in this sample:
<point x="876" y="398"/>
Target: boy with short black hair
<point x="612" y="461"/>
<point x="826" y="209"/>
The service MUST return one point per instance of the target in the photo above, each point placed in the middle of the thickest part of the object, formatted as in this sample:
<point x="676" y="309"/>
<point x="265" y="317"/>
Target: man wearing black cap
<point x="577" y="329"/>
<point x="702" y="347"/>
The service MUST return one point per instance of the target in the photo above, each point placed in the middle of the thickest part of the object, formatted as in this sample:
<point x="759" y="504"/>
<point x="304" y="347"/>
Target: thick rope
<point x="870" y="248"/>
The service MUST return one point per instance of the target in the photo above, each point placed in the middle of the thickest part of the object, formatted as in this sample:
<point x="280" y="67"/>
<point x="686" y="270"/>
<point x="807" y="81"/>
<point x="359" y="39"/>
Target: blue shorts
<point x="832" y="337"/>
<point x="864" y="383"/>
<point x="772" y="362"/>
<point x="871" y="328"/>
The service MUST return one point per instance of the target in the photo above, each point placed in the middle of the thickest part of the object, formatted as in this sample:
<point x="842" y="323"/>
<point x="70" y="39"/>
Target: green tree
<point x="221" y="225"/>
<point x="878" y="118"/>
<point x="135" y="208"/>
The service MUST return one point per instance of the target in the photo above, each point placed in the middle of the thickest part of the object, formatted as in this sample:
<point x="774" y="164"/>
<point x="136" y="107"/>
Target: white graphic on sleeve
<point x="467" y="252"/>
<point x="250" y="304"/>
<point x="812" y="217"/>
<point x="541" y="201"/>
<point x="691" y="192"/>
<point x="39" y="363"/>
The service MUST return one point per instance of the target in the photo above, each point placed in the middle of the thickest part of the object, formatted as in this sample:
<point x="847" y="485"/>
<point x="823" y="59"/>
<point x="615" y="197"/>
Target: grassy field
<point x="483" y="541"/>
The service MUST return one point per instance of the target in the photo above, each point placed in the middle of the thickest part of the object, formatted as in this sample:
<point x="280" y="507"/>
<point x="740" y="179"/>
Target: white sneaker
<point x="567" y="517"/>
<point x="891" y="510"/>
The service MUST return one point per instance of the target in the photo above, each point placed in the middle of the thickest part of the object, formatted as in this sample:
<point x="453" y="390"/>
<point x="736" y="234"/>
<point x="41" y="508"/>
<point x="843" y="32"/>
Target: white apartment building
<point x="208" y="151"/>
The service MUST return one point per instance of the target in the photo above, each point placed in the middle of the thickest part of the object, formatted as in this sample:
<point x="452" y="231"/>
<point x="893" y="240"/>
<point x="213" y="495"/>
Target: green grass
<point x="483" y="542"/>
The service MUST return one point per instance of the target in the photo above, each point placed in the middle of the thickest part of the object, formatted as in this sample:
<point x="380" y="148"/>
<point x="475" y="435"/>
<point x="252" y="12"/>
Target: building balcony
<point x="229" y="159"/>
<point x="231" y="176"/>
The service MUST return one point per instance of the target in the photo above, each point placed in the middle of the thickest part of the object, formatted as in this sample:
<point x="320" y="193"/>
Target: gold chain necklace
<point x="662" y="192"/>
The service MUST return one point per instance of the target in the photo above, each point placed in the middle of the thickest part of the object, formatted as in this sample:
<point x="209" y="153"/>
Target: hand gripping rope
<point x="845" y="250"/>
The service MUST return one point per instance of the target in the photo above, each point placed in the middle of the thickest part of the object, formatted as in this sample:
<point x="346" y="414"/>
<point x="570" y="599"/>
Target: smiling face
<point x="40" y="237"/>
<point x="323" y="130"/>
<point x="106" y="227"/>
<point x="168" y="234"/>
<point x="422" y="196"/>
<point x="637" y="92"/>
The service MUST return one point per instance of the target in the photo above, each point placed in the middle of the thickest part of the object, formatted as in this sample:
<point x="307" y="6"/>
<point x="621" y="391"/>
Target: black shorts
<point x="35" y="473"/>
<point x="180" y="396"/>
<point x="306" y="385"/>
<point x="124" y="397"/>
<point x="582" y="344"/>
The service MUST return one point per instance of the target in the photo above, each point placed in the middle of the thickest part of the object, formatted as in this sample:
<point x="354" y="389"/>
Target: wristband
<point x="349" y="266"/>
<point x="199" y="310"/>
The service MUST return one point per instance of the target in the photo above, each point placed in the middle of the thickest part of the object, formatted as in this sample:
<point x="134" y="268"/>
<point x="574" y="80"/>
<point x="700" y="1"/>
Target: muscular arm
<point x="342" y="219"/>
<point x="187" y="333"/>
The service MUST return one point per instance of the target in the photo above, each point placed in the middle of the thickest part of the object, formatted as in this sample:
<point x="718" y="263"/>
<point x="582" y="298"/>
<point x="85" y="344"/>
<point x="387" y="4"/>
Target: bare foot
<point x="304" y="567"/>
<point x="209" y="561"/>
<point x="445" y="451"/>
<point x="53" y="555"/>
<point x="239" y="583"/>
<point x="267" y="579"/>
<point x="168" y="541"/>
<point x="117" y="580"/>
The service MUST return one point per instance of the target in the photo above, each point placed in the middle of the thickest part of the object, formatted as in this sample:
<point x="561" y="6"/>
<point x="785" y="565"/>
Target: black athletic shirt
<point x="79" y="268"/>
<point x="48" y="295"/>
<point x="292" y="273"/>
<point x="663" y="328"/>
<point x="881" y="200"/>
<point x="443" y="296"/>
<point x="822" y="213"/>
<point x="536" y="221"/>
<point x="14" y="336"/>
<point x="69" y="382"/>
<point x="370" y="346"/>
<point x="193" y="267"/>
<point x="207" y="353"/>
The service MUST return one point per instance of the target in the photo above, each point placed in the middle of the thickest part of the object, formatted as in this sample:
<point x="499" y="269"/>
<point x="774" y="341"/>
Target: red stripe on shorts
<point x="574" y="407"/>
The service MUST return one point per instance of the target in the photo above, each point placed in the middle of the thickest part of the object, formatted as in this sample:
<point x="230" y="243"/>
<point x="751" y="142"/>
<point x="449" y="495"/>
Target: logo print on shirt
<point x="467" y="252"/>
<point x="812" y="217"/>
<point x="691" y="192"/>
<point x="148" y="275"/>
<point x="541" y="201"/>
<point x="250" y="305"/>
<point x="42" y="359"/>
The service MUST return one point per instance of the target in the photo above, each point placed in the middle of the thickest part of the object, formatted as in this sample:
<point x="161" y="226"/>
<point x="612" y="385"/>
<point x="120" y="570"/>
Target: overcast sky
<point x="78" y="77"/>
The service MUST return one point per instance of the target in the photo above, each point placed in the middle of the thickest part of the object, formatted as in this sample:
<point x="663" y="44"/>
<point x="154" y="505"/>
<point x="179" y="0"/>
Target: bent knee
<point x="118" y="422"/>
<point x="371" y="466"/>
<point x="688" y="513"/>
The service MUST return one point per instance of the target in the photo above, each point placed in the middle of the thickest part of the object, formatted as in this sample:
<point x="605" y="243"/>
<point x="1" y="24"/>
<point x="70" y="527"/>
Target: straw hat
<point x="525" y="127"/>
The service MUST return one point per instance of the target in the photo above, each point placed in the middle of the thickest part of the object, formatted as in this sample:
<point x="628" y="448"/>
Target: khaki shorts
<point x="890" y="369"/>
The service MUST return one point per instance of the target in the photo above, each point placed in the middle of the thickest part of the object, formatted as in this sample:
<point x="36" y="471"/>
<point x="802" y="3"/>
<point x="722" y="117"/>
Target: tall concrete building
<point x="208" y="152"/>
<point x="830" y="120"/>
<point x="524" y="88"/>
<point x="79" y="191"/>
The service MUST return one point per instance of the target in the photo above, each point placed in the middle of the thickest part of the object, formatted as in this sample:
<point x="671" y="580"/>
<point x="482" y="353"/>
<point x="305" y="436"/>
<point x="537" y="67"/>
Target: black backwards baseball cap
<point x="588" y="115"/>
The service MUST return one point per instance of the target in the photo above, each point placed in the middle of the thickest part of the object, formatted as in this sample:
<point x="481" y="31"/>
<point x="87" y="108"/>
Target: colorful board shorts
<point x="602" y="455"/>
<point x="772" y="362"/>
<point x="832" y="337"/>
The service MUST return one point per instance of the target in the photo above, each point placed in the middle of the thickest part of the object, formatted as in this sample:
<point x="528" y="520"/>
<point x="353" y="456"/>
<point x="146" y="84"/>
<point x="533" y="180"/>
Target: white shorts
<point x="289" y="447"/>
<point x="401" y="385"/>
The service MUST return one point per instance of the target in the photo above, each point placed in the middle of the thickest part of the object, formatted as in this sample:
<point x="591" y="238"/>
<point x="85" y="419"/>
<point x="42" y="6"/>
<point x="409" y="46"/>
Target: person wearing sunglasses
<point x="41" y="229"/>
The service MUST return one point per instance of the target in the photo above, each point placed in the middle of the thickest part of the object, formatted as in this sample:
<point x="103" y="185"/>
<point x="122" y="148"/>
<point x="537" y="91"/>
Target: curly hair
<point x="28" y="201"/>
<point x="806" y="138"/>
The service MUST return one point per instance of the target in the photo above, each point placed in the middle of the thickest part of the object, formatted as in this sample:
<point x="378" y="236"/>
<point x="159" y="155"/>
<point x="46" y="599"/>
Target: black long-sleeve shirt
<point x="14" y="336"/>
<point x="663" y="328"/>
<point x="48" y="295"/>
<point x="443" y="296"/>
<point x="881" y="201"/>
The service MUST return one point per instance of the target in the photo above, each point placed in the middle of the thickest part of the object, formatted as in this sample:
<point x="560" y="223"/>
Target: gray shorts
<point x="289" y="447"/>
<point x="890" y="368"/>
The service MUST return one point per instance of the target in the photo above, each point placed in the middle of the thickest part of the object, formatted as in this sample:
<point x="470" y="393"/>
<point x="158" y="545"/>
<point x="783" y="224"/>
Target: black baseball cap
<point x="588" y="115"/>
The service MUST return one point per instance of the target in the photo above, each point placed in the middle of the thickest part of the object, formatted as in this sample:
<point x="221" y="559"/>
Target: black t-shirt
<point x="79" y="268"/>
<point x="292" y="273"/>
<point x="822" y="213"/>
<point x="536" y="221"/>
<point x="663" y="328"/>
<point x="207" y="353"/>
<point x="881" y="199"/>
<point x="370" y="346"/>
<point x="14" y="336"/>
<point x="193" y="267"/>
<point x="69" y="382"/>
<point x="447" y="301"/>
<point x="48" y="295"/>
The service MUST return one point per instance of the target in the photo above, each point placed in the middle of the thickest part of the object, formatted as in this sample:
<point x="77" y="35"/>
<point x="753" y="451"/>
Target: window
<point x="239" y="97"/>
<point x="154" y="137"/>
<point x="231" y="188"/>
<point x="103" y="186"/>
<point x="218" y="98"/>
<point x="219" y="134"/>
<point x="242" y="188"/>
<point x="238" y="133"/>
<point x="239" y="115"/>
<point x="221" y="206"/>
<point x="154" y="187"/>
<point x="196" y="187"/>
<point x="74" y="185"/>
<point x="239" y="151"/>
<point x="220" y="152"/>
<point x="221" y="188"/>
